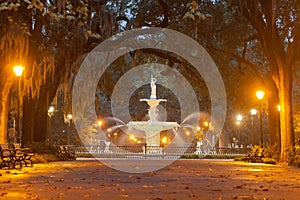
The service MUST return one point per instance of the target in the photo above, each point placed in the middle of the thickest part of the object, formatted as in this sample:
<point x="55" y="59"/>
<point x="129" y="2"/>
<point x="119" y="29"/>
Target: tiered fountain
<point x="153" y="126"/>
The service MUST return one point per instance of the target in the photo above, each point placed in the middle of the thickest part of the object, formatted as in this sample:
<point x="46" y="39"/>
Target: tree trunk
<point x="5" y="86"/>
<point x="274" y="126"/>
<point x="286" y="114"/>
<point x="28" y="120"/>
<point x="40" y="127"/>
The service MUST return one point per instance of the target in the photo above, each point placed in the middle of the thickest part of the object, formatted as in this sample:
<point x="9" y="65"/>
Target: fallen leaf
<point x="3" y="194"/>
<point x="149" y="174"/>
<point x="244" y="197"/>
<point x="216" y="190"/>
<point x="60" y="195"/>
<point x="87" y="195"/>
<point x="147" y="186"/>
<point x="59" y="180"/>
<point x="239" y="186"/>
<point x="124" y="195"/>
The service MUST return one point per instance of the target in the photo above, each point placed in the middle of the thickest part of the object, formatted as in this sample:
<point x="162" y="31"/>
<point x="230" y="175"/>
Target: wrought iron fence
<point x="144" y="151"/>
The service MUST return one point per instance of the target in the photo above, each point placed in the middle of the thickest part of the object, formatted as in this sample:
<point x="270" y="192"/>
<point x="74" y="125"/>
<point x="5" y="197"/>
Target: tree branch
<point x="240" y="60"/>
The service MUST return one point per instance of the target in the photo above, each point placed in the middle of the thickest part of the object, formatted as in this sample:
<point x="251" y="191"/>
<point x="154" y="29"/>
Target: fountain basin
<point x="153" y="127"/>
<point x="153" y="102"/>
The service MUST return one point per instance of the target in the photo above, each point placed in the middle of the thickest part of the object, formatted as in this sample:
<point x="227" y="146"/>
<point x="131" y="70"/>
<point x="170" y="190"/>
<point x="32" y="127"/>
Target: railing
<point x="144" y="151"/>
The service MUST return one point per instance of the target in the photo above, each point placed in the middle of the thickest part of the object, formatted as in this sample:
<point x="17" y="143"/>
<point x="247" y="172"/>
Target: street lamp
<point x="253" y="112"/>
<point x="260" y="95"/>
<point x="100" y="123"/>
<point x="239" y="118"/>
<point x="18" y="70"/>
<point x="51" y="111"/>
<point x="278" y="108"/>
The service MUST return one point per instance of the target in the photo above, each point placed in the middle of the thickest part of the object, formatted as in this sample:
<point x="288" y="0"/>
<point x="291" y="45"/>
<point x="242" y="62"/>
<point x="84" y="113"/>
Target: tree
<point x="32" y="34"/>
<point x="277" y="29"/>
<point x="13" y="47"/>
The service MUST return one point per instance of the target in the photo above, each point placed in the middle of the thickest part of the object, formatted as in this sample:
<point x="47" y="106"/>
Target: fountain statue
<point x="153" y="126"/>
<point x="153" y="102"/>
<point x="153" y="88"/>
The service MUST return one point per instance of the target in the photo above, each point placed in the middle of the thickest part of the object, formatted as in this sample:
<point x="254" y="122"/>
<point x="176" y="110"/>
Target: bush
<point x="296" y="156"/>
<point x="190" y="156"/>
<point x="41" y="148"/>
<point x="42" y="152"/>
<point x="272" y="153"/>
<point x="43" y="158"/>
<point x="211" y="156"/>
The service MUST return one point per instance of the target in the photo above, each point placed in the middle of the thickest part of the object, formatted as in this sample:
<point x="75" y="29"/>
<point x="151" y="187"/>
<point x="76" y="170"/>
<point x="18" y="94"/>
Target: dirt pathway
<point x="184" y="179"/>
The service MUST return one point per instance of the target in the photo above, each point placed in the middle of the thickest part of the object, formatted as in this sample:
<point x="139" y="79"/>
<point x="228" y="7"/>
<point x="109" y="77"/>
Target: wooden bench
<point x="22" y="155"/>
<point x="6" y="156"/>
<point x="64" y="153"/>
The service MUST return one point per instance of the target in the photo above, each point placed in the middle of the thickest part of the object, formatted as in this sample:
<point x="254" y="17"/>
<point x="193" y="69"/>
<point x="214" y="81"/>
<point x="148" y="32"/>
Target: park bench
<point x="6" y="156"/>
<point x="255" y="155"/>
<point x="64" y="153"/>
<point x="22" y="155"/>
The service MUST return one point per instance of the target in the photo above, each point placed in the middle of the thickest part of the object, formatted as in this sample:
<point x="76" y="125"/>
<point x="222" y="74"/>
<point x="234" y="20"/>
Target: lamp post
<point x="260" y="95"/>
<point x="198" y="131"/>
<point x="239" y="118"/>
<point x="18" y="70"/>
<point x="68" y="119"/>
<point x="49" y="130"/>
<point x="253" y="112"/>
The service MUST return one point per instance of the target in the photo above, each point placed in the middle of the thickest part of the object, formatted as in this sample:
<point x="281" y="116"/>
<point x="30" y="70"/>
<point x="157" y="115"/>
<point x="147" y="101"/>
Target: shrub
<point x="42" y="152"/>
<point x="272" y="152"/>
<point x="41" y="147"/>
<point x="43" y="158"/>
<point x="296" y="159"/>
<point x="211" y="156"/>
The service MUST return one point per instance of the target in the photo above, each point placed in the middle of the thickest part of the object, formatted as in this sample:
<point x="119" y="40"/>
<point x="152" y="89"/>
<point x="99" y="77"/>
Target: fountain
<point x="153" y="126"/>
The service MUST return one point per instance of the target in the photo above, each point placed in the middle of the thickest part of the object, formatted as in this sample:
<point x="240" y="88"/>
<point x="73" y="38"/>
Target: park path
<point x="183" y="179"/>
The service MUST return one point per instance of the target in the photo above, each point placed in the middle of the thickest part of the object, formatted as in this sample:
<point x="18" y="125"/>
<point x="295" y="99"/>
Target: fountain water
<point x="153" y="126"/>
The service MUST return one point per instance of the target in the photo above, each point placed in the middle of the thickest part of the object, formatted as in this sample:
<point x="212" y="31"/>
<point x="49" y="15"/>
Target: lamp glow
<point x="260" y="94"/>
<point x="206" y="124"/>
<point x="278" y="107"/>
<point x="253" y="111"/>
<point x="239" y="117"/>
<point x="69" y="116"/>
<point x="164" y="140"/>
<point x="18" y="70"/>
<point x="100" y="123"/>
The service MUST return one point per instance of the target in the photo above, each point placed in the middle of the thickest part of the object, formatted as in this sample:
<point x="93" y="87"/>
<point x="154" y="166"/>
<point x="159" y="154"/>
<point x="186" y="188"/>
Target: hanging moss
<point x="14" y="44"/>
